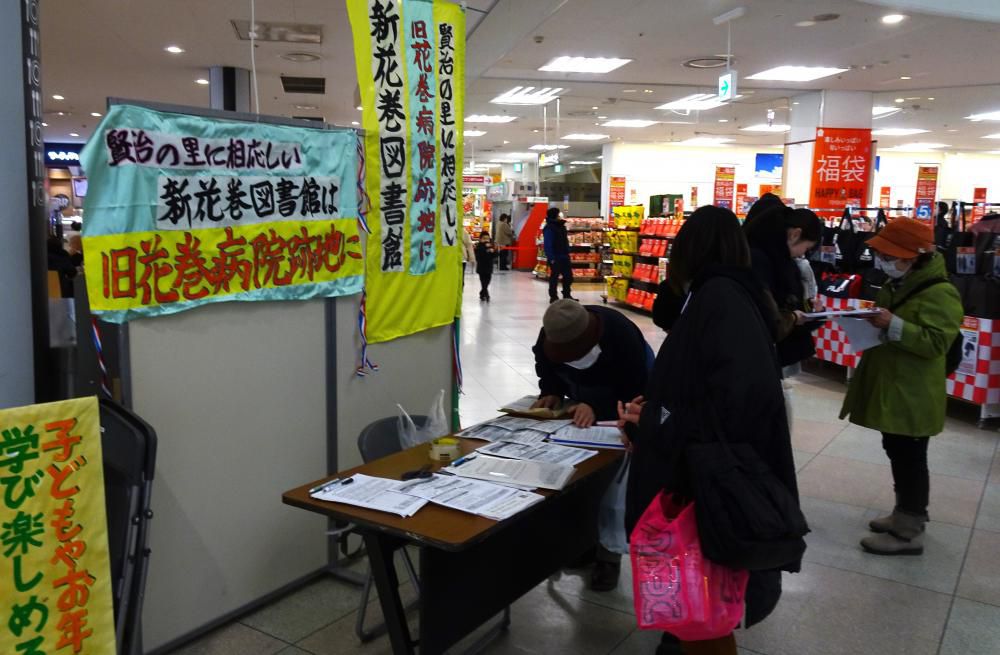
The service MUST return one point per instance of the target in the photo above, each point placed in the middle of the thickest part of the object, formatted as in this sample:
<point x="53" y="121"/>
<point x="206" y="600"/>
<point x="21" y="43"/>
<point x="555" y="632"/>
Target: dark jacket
<point x="719" y="357"/>
<point x="62" y="262"/>
<point x="620" y="373"/>
<point x="485" y="252"/>
<point x="778" y="273"/>
<point x="555" y="239"/>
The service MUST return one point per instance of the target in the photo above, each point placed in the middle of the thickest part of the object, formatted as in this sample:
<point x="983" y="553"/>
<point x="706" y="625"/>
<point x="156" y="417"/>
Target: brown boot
<point x="905" y="537"/>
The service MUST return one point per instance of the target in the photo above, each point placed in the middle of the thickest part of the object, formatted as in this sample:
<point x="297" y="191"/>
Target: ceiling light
<point x="628" y="122"/>
<point x="174" y="50"/>
<point x="58" y="97"/>
<point x="881" y="112"/>
<point x="506" y="142"/>
<point x="764" y="127"/>
<point x="45" y="124"/>
<point x="360" y="108"/>
<point x="527" y="95"/>
<point x="61" y="113"/>
<point x="992" y="136"/>
<point x="355" y="123"/>
<point x="629" y="91"/>
<point x="988" y="116"/>
<point x="805" y="23"/>
<point x="306" y="107"/>
<point x="95" y="114"/>
<point x="695" y="102"/>
<point x="73" y="134"/>
<point x="484" y="118"/>
<point x="600" y="156"/>
<point x="598" y="65"/>
<point x="893" y="19"/>
<point x="708" y="141"/>
<point x="898" y="131"/>
<point x="300" y="57"/>
<point x="953" y="130"/>
<point x="547" y="148"/>
<point x="473" y="133"/>
<point x="647" y="90"/>
<point x="585" y="137"/>
<point x="930" y="98"/>
<point x="603" y="118"/>
<point x="201" y="80"/>
<point x="535" y="131"/>
<point x="900" y="100"/>
<point x="795" y="103"/>
<point x="796" y="73"/>
<point x="595" y="108"/>
<point x="905" y="77"/>
<point x="919" y="147"/>
<point x="583" y="163"/>
<point x="723" y="120"/>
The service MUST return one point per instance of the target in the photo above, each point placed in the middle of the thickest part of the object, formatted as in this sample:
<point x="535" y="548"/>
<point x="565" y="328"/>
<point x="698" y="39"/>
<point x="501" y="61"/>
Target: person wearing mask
<point x="590" y="358"/>
<point x="899" y="387"/>
<point x="718" y="365"/>
<point x="778" y="238"/>
<point x="556" y="243"/>
<point x="485" y="253"/>
<point x="505" y="239"/>
<point x="468" y="251"/>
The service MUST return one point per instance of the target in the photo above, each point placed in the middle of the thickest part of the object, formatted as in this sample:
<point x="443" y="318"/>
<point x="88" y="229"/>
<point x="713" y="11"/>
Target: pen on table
<point x="463" y="460"/>
<point x="327" y="485"/>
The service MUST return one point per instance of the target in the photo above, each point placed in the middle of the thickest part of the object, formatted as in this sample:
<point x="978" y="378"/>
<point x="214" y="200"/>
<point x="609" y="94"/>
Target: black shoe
<point x="669" y="645"/>
<point x="487" y="297"/>
<point x="604" y="576"/>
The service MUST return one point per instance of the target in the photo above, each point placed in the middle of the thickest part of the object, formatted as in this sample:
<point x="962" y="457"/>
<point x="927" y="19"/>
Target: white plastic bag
<point x="611" y="514"/>
<point x="411" y="434"/>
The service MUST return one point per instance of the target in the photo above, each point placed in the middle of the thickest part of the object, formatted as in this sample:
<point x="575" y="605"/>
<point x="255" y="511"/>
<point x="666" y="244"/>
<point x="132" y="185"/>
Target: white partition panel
<point x="237" y="393"/>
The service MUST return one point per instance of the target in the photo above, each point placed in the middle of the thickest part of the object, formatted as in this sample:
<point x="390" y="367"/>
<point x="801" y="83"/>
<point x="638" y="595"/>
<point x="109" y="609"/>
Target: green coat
<point x="899" y="387"/>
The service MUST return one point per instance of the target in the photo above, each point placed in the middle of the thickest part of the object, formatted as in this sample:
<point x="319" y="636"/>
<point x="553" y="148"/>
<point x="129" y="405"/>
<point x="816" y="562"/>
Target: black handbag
<point x="873" y="279"/>
<point x="851" y="244"/>
<point x="747" y="518"/>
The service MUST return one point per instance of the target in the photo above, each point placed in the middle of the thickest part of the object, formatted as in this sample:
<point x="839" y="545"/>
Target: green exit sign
<point x="518" y="168"/>
<point x="727" y="86"/>
<point x="558" y="168"/>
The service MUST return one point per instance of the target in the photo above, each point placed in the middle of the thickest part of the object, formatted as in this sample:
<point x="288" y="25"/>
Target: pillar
<point x="229" y="88"/>
<point x="850" y="109"/>
<point x="24" y="315"/>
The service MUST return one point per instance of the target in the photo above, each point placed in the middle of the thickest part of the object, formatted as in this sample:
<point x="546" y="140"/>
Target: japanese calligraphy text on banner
<point x="56" y="579"/>
<point x="923" y="206"/>
<point x="183" y="211"/>
<point x="842" y="165"/>
<point x="410" y="57"/>
<point x="725" y="178"/>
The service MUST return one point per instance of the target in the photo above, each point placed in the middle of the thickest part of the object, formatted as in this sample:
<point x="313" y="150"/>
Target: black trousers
<point x="484" y="281"/>
<point x="910" y="475"/>
<point x="504" y="260"/>
<point x="560" y="267"/>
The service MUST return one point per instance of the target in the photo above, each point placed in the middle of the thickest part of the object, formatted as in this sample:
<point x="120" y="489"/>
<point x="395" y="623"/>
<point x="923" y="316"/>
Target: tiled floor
<point x="843" y="603"/>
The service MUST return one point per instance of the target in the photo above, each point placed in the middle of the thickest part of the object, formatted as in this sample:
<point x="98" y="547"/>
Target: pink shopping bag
<point x="676" y="589"/>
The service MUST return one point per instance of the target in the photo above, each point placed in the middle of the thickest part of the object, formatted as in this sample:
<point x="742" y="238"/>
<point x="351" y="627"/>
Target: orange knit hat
<point x="904" y="238"/>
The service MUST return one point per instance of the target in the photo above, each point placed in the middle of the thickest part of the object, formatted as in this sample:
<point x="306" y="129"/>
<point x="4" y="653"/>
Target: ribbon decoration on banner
<point x="456" y="354"/>
<point x="99" y="351"/>
<point x="410" y="57"/>
<point x="184" y="211"/>
<point x="56" y="581"/>
<point x="363" y="331"/>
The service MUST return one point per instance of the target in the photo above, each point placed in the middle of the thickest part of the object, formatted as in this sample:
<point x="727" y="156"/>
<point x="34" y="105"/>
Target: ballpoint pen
<point x="322" y="487"/>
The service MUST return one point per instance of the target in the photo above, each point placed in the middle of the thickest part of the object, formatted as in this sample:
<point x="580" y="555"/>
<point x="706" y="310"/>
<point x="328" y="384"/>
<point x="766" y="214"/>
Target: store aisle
<point x="843" y="603"/>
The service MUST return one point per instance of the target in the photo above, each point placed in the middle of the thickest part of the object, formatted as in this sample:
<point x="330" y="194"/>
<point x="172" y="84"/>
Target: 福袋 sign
<point x="184" y="211"/>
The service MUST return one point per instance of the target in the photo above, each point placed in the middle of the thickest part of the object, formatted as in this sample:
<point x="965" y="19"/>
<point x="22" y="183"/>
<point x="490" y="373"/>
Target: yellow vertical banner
<point x="55" y="574"/>
<point x="413" y="260"/>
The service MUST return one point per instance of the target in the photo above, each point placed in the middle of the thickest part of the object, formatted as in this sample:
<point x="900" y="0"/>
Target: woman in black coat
<point x="719" y="358"/>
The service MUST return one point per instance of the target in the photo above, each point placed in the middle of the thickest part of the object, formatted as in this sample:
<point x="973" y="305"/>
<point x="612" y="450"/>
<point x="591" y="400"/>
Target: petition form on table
<point x="516" y="471"/>
<point x="473" y="496"/>
<point x="595" y="437"/>
<point x="371" y="493"/>
<point x="543" y="452"/>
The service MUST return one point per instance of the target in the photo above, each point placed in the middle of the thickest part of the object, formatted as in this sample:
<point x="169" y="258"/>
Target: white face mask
<point x="889" y="268"/>
<point x="587" y="360"/>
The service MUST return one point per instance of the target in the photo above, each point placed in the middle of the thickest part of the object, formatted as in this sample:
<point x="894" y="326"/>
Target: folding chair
<point x="377" y="440"/>
<point x="129" y="453"/>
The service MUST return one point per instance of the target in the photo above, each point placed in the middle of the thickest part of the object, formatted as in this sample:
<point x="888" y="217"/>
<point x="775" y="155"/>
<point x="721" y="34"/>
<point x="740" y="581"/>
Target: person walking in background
<point x="717" y="371"/>
<point x="486" y="252"/>
<point x="505" y="239"/>
<point x="591" y="358"/>
<point x="468" y="251"/>
<point x="899" y="387"/>
<point x="556" y="243"/>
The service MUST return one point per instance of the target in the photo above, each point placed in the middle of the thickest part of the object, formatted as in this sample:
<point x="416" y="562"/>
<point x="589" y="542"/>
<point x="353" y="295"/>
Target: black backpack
<point x="953" y="359"/>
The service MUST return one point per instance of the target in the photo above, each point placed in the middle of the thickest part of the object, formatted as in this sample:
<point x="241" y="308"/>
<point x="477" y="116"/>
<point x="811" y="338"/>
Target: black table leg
<point x="380" y="556"/>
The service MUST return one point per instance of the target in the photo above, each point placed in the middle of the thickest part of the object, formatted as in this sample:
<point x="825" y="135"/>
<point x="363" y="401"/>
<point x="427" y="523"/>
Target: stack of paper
<point x="542" y="452"/>
<point x="594" y="437"/>
<point x="484" y="432"/>
<point x="371" y="493"/>
<point x="512" y="471"/>
<point x="492" y="501"/>
<point x="526" y="437"/>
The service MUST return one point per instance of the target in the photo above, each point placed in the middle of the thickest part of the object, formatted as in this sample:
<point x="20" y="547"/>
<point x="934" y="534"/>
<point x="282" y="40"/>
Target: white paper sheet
<point x="516" y="471"/>
<point x="526" y="437"/>
<point x="473" y="496"/>
<point x="835" y="313"/>
<point x="485" y="433"/>
<point x="513" y="423"/>
<point x="550" y="427"/>
<point x="372" y="493"/>
<point x="861" y="334"/>
<point x="594" y="437"/>
<point x="544" y="452"/>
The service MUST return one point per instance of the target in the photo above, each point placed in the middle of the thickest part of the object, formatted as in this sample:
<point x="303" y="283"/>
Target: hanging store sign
<point x="842" y="161"/>
<point x="410" y="57"/>
<point x="725" y="178"/>
<point x="694" y="197"/>
<point x="979" y="206"/>
<point x="56" y="581"/>
<point x="923" y="206"/>
<point x="884" y="199"/>
<point x="741" y="200"/>
<point x="183" y="211"/>
<point x="616" y="193"/>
